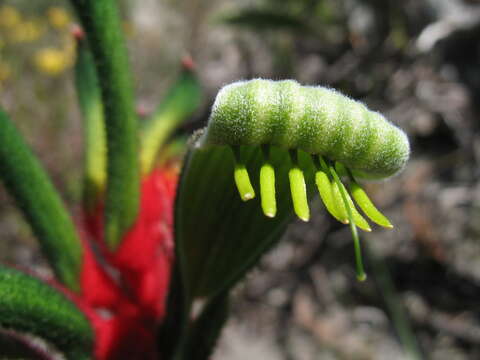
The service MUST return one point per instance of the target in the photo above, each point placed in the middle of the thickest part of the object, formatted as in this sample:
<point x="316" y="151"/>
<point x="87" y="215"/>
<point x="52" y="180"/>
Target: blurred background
<point x="416" y="61"/>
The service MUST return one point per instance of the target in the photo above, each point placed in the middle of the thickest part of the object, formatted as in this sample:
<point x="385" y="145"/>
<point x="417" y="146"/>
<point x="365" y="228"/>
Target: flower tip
<point x="270" y="214"/>
<point x="304" y="218"/>
<point x="248" y="196"/>
<point x="362" y="277"/>
<point x="389" y="226"/>
<point x="188" y="63"/>
<point x="77" y="32"/>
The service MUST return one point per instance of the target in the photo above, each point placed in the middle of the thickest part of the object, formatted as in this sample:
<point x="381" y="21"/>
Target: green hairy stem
<point x="43" y="208"/>
<point x="181" y="100"/>
<point x="90" y="101"/>
<point x="28" y="305"/>
<point x="102" y="25"/>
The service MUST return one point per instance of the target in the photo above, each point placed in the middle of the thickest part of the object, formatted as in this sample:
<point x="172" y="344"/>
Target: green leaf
<point x="90" y="101"/>
<point x="182" y="99"/>
<point x="29" y="305"/>
<point x="206" y="329"/>
<point x="102" y="24"/>
<point x="218" y="236"/>
<point x="30" y="186"/>
<point x="259" y="19"/>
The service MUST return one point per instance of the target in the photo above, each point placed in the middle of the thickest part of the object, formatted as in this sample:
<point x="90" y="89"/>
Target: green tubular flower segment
<point x="31" y="306"/>
<point x="91" y="106"/>
<point x="30" y="186"/>
<point x="102" y="25"/>
<point x="321" y="122"/>
<point x="314" y="119"/>
<point x="181" y="100"/>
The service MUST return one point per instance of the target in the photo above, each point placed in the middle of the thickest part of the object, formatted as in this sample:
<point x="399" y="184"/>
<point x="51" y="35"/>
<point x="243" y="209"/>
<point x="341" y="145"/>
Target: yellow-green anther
<point x="299" y="193"/>
<point x="335" y="192"/>
<point x="298" y="188"/>
<point x="361" y="276"/>
<point x="242" y="180"/>
<point x="338" y="199"/>
<point x="267" y="190"/>
<point x="362" y="199"/>
<point x="359" y="219"/>
<point x="325" y="189"/>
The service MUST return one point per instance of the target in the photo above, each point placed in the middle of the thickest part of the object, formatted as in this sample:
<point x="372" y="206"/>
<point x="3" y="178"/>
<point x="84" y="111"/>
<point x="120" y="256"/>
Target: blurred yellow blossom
<point x="58" y="17"/>
<point x="52" y="61"/>
<point x="26" y="31"/>
<point x="5" y="71"/>
<point x="9" y="16"/>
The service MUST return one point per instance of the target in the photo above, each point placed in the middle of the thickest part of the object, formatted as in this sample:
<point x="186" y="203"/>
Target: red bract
<point x="124" y="290"/>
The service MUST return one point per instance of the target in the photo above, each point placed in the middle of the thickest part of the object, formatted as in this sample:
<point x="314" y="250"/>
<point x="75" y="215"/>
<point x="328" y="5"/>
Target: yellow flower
<point x="58" y="17"/>
<point x="9" y="16"/>
<point x="5" y="71"/>
<point x="26" y="31"/>
<point x="51" y="61"/>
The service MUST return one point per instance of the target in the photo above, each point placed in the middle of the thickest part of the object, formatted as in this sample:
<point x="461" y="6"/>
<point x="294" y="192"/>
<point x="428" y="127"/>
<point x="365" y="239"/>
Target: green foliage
<point x="90" y="101"/>
<point x="259" y="19"/>
<point x="28" y="305"/>
<point x="205" y="331"/>
<point x="218" y="236"/>
<point x="182" y="99"/>
<point x="101" y="22"/>
<point x="34" y="193"/>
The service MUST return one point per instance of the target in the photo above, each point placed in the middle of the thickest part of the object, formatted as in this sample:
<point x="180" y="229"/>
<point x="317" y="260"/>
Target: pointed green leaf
<point x="90" y="101"/>
<point x="259" y="19"/>
<point x="102" y="24"/>
<point x="206" y="329"/>
<point x="30" y="186"/>
<point x="29" y="305"/>
<point x="182" y="99"/>
<point x="218" y="236"/>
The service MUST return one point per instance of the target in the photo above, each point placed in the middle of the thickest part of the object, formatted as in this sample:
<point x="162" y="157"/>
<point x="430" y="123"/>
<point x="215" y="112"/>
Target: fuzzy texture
<point x="27" y="182"/>
<point x="314" y="119"/>
<point x="31" y="306"/>
<point x="102" y="25"/>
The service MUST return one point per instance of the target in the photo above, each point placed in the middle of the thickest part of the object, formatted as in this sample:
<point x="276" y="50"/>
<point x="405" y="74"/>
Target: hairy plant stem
<point x="102" y="25"/>
<point x="30" y="186"/>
